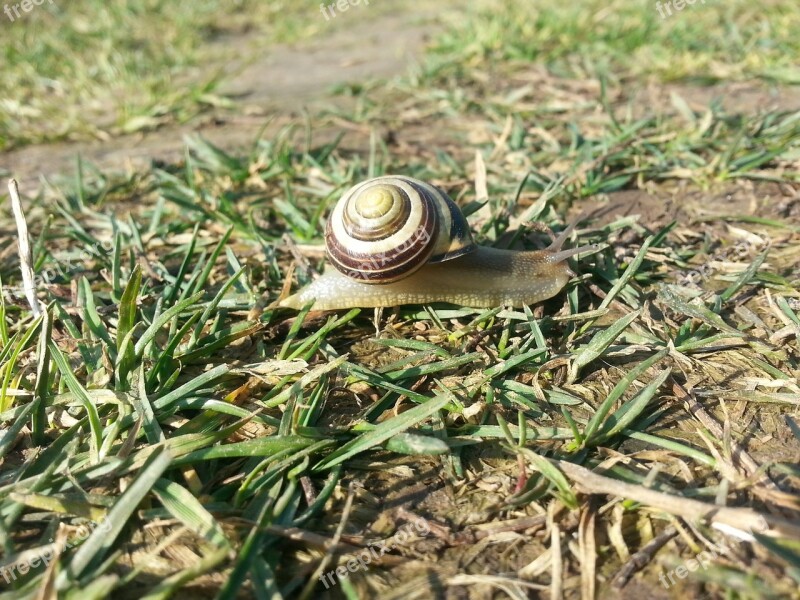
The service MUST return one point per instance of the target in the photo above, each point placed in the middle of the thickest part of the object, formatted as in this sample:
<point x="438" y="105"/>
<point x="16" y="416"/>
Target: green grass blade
<point x="164" y="318"/>
<point x="628" y="412"/>
<point x="383" y="432"/>
<point x="616" y="393"/>
<point x="185" y="507"/>
<point x="96" y="430"/>
<point x="599" y="343"/>
<point x="746" y="276"/>
<point x="101" y="540"/>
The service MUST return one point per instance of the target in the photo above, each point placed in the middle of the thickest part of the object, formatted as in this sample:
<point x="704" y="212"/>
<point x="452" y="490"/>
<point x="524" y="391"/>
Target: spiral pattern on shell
<point x="385" y="228"/>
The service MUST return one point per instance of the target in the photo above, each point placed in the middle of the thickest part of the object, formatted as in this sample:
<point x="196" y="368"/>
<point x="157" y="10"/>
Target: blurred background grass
<point x="91" y="69"/>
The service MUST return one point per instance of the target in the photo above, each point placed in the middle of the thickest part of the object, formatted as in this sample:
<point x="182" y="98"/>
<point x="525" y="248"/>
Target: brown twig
<point x="741" y="519"/>
<point x="587" y="548"/>
<point x="337" y="536"/>
<point x="640" y="559"/>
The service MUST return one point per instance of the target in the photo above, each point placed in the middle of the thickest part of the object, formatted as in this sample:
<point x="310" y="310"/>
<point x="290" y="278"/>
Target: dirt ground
<point x="275" y="87"/>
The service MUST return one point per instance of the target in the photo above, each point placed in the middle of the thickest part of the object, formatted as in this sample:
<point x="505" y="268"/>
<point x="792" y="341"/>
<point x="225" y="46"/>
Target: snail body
<point x="397" y="240"/>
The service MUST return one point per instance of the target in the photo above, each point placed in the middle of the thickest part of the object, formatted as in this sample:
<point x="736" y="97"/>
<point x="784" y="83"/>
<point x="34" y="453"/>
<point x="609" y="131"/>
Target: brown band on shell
<point x="387" y="263"/>
<point x="384" y="229"/>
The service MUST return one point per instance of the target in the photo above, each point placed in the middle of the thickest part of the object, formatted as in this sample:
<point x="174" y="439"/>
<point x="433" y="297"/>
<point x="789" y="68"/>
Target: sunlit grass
<point x="174" y="372"/>
<point x="214" y="439"/>
<point x="705" y="42"/>
<point x="94" y="68"/>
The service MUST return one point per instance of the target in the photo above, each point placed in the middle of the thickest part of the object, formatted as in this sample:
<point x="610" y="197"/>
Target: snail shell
<point x="386" y="228"/>
<point x="396" y="240"/>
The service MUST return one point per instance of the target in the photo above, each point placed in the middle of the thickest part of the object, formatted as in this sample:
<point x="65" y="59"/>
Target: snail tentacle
<point x="563" y="255"/>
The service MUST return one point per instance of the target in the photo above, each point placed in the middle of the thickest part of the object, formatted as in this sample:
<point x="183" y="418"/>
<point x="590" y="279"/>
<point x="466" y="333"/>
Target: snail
<point x="397" y="240"/>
